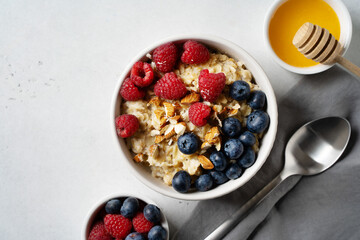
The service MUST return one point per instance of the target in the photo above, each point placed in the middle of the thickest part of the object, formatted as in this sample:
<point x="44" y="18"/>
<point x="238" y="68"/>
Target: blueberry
<point x="247" y="138"/>
<point x="157" y="233"/>
<point x="240" y="90"/>
<point x="181" y="181"/>
<point x="234" y="171"/>
<point x="152" y="213"/>
<point x="219" y="160"/>
<point x="247" y="159"/>
<point x="257" y="121"/>
<point x="129" y="207"/>
<point x="257" y="100"/>
<point x="218" y="177"/>
<point x="204" y="183"/>
<point x="231" y="127"/>
<point x="113" y="206"/>
<point x="188" y="143"/>
<point x="233" y="148"/>
<point x="135" y="236"/>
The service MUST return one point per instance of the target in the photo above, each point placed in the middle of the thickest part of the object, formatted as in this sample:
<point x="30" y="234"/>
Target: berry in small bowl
<point x="125" y="217"/>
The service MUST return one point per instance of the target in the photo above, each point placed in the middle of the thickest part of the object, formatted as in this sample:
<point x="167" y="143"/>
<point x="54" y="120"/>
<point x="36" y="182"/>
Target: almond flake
<point x="191" y="98"/>
<point x="175" y="119"/>
<point x="232" y="112"/>
<point x="154" y="132"/>
<point x="139" y="157"/>
<point x="156" y="101"/>
<point x="205" y="162"/>
<point x="159" y="139"/>
<point x="162" y="122"/>
<point x="163" y="129"/>
<point x="180" y="128"/>
<point x="205" y="145"/>
<point x="177" y="106"/>
<point x="217" y="108"/>
<point x="215" y="140"/>
<point x="169" y="109"/>
<point x="159" y="113"/>
<point x="154" y="150"/>
<point x="170" y="131"/>
<point x="218" y="145"/>
<point x="211" y="134"/>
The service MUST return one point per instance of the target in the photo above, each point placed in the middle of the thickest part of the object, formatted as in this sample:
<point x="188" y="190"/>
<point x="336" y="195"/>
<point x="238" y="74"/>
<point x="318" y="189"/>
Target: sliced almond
<point x="233" y="112"/>
<point x="214" y="140"/>
<point x="159" y="139"/>
<point x="211" y="134"/>
<point x="218" y="145"/>
<point x="154" y="132"/>
<point x="217" y="108"/>
<point x="205" y="162"/>
<point x="156" y="101"/>
<point x="206" y="145"/>
<point x="163" y="122"/>
<point x="174" y="119"/>
<point x="154" y="150"/>
<point x="177" y="105"/>
<point x="163" y="129"/>
<point x="180" y="128"/>
<point x="159" y="113"/>
<point x="170" y="131"/>
<point x="169" y="109"/>
<point x="139" y="157"/>
<point x="191" y="98"/>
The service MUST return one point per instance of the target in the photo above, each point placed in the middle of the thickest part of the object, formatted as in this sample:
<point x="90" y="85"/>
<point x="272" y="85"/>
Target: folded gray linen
<point x="325" y="206"/>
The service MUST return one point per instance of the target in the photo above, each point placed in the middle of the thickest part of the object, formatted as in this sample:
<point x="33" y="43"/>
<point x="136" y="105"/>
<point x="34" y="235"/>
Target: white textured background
<point x="59" y="64"/>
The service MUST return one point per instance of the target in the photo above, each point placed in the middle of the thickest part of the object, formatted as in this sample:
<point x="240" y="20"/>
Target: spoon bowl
<point x="312" y="149"/>
<point x="316" y="146"/>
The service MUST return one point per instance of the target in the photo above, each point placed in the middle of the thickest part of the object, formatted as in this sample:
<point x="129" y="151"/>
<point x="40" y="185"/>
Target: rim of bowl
<point x="345" y="36"/>
<point x="256" y="71"/>
<point x="90" y="217"/>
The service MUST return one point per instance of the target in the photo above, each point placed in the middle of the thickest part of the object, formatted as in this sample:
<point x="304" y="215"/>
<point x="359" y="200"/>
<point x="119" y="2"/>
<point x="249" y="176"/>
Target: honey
<point x="289" y="17"/>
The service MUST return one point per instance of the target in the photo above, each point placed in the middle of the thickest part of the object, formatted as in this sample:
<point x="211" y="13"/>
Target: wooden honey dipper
<point x="318" y="44"/>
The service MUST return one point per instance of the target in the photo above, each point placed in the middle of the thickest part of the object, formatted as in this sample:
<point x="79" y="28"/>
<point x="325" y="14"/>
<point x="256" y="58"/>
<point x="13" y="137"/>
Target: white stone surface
<point x="59" y="63"/>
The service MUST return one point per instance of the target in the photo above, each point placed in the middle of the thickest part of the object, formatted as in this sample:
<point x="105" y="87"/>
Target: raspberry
<point x="170" y="87"/>
<point x="130" y="92"/>
<point x="98" y="232"/>
<point x="165" y="57"/>
<point x="194" y="53"/>
<point x="199" y="113"/>
<point x="141" y="224"/>
<point x="126" y="125"/>
<point x="211" y="85"/>
<point x="142" y="74"/>
<point x="117" y="225"/>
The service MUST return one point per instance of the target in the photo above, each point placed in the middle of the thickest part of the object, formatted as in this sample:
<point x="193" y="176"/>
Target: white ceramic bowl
<point x="91" y="216"/>
<point x="229" y="48"/>
<point x="345" y="35"/>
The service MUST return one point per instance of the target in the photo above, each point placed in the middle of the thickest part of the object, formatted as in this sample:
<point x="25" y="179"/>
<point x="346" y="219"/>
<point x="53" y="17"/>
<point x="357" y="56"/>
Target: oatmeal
<point x="162" y="121"/>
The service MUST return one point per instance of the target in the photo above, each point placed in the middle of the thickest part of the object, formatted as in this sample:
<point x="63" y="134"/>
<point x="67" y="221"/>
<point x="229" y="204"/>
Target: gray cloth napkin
<point x="325" y="206"/>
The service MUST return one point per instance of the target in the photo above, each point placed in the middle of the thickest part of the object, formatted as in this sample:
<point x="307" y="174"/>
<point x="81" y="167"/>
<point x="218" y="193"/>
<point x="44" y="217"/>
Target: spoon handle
<point x="241" y="213"/>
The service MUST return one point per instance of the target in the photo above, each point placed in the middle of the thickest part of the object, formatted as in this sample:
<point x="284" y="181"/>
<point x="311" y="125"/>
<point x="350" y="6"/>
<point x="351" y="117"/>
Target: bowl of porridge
<point x="195" y="117"/>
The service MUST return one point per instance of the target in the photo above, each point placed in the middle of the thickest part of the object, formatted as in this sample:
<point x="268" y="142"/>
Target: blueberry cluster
<point x="237" y="153"/>
<point x="129" y="208"/>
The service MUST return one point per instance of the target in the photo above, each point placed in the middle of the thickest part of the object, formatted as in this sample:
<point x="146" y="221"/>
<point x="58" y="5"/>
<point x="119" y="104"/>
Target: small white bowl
<point x="345" y="35"/>
<point x="234" y="51"/>
<point x="91" y="216"/>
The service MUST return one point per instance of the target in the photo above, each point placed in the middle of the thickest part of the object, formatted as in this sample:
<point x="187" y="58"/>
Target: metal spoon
<point x="312" y="149"/>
